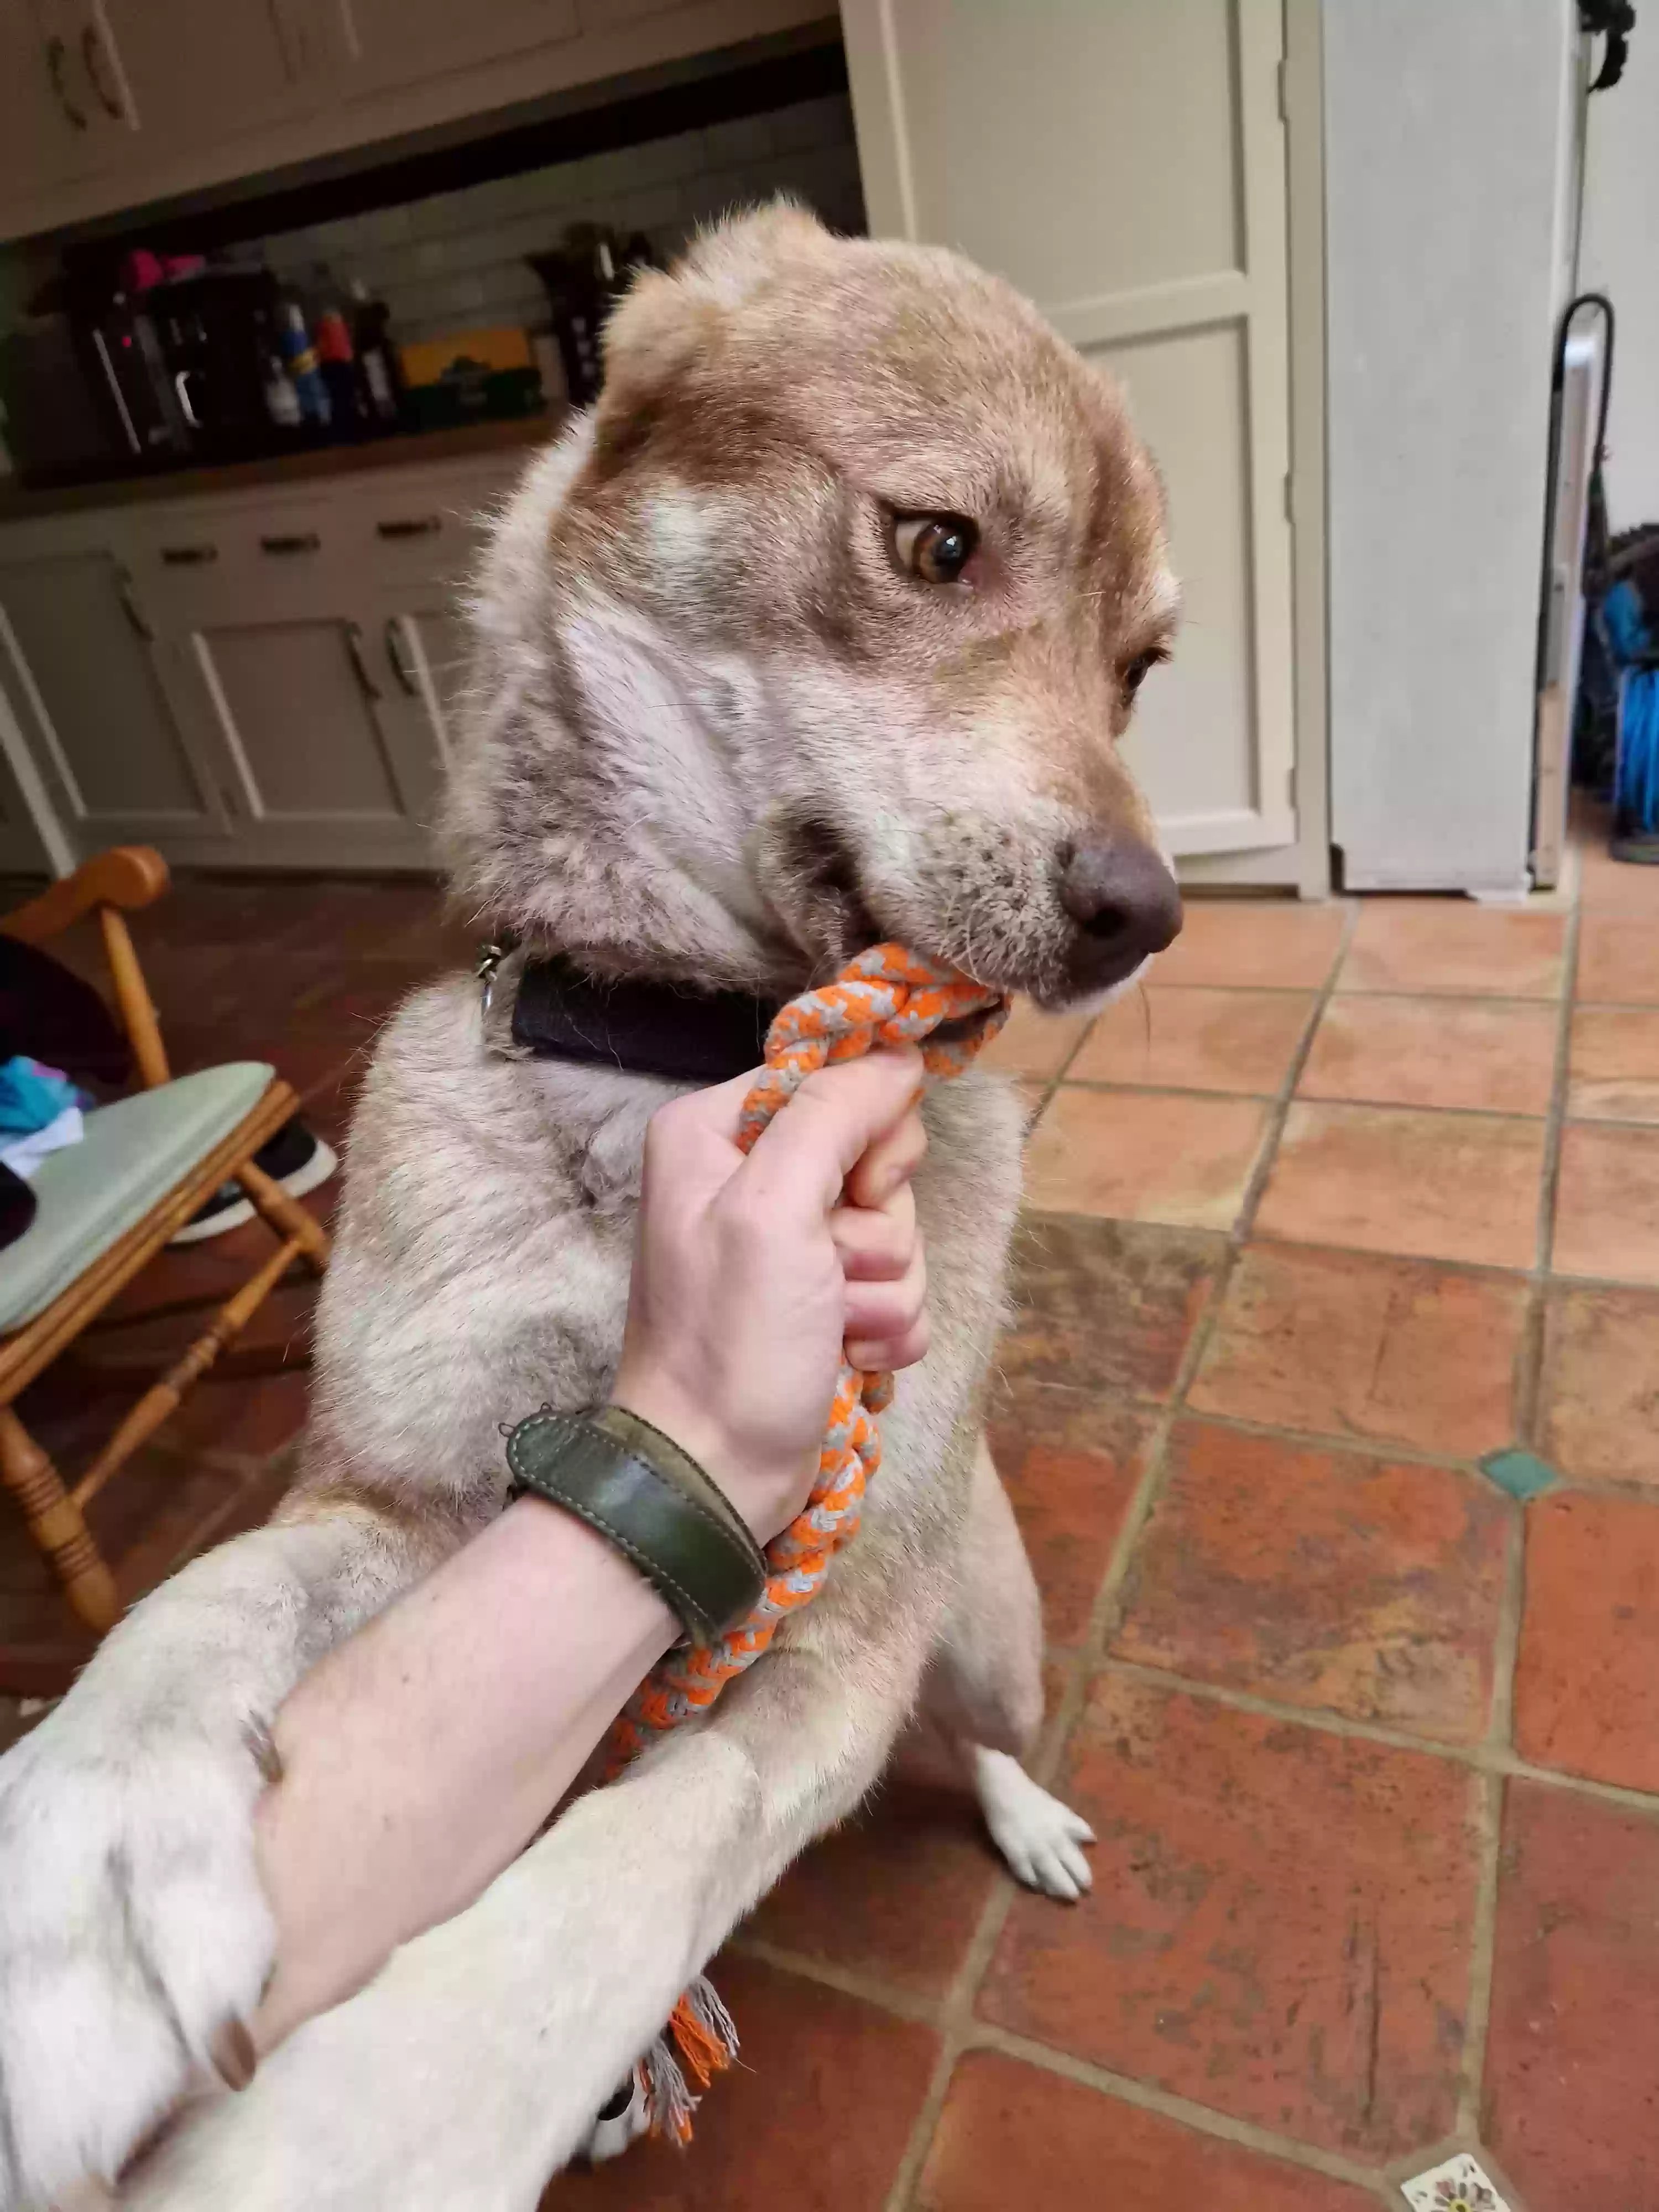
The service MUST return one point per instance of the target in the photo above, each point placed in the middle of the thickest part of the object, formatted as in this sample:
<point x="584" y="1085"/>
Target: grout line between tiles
<point x="869" y="1989"/>
<point x="1530" y="1381"/>
<point x="1050" y="1083"/>
<point x="1284" y="1096"/>
<point x="1480" y="1758"/>
<point x="1500" y="1740"/>
<point x="1506" y="1649"/>
<point x="971" y="2033"/>
<point x="1391" y="1451"/>
<point x="1203" y="2118"/>
<point x="1483" y="1942"/>
<point x="1558" y="1113"/>
<point x="1484" y="1268"/>
<point x="1096" y="1083"/>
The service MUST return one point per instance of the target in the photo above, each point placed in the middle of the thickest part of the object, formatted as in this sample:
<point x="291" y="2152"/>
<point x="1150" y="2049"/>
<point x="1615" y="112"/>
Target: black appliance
<point x="206" y="342"/>
<point x="108" y="382"/>
<point x="136" y="385"/>
<point x="585" y="279"/>
<point x="61" y="422"/>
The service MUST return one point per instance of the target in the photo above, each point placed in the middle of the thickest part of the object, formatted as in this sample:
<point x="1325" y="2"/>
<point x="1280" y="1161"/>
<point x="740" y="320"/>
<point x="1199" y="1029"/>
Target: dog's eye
<point x="936" y="548"/>
<point x="1137" y="671"/>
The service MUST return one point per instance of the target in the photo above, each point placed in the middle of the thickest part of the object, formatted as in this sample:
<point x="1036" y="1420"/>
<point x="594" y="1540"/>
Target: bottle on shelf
<point x="299" y="359"/>
<point x="337" y="355"/>
<point x="377" y="357"/>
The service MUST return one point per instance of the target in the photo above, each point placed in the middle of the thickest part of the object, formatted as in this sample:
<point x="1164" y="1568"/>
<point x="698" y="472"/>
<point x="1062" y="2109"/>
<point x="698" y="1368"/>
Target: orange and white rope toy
<point x="887" y="996"/>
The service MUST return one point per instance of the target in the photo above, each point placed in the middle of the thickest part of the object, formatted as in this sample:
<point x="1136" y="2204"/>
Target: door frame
<point x="1304" y="863"/>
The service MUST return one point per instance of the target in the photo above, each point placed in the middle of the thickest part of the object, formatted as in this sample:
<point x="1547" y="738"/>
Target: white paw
<point x="623" y="2121"/>
<point x="432" y="2090"/>
<point x="1040" y="1838"/>
<point x="133" y="1934"/>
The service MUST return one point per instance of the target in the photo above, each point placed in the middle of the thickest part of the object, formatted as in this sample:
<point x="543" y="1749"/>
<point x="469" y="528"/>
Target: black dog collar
<point x="666" y="1029"/>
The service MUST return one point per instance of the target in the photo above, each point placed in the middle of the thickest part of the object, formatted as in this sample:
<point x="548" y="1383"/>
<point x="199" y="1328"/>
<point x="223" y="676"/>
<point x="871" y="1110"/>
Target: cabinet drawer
<point x="410" y="536"/>
<point x="204" y="564"/>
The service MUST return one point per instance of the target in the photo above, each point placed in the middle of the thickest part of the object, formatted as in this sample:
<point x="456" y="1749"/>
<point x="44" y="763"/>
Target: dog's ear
<point x="670" y="318"/>
<point x="732" y="260"/>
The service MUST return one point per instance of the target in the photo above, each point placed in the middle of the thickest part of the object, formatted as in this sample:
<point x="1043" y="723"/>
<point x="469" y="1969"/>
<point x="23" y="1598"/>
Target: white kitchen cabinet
<point x="1125" y="166"/>
<point x="173" y="96"/>
<point x="98" y="98"/>
<point x="261" y="680"/>
<point x="424" y="640"/>
<point x="185" y="71"/>
<point x="398" y="42"/>
<point x="85" y="689"/>
<point x="325" y="771"/>
<point x="275" y="659"/>
<point x="51" y="127"/>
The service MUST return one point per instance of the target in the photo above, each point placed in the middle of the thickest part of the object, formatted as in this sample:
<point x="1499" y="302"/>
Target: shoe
<point x="295" y="1158"/>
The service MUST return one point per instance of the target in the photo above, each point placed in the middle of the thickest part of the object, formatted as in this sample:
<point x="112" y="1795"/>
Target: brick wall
<point x="458" y="258"/>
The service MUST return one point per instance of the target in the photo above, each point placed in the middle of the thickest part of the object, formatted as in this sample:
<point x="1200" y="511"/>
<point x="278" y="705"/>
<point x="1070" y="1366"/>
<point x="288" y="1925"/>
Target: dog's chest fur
<point x="482" y="1262"/>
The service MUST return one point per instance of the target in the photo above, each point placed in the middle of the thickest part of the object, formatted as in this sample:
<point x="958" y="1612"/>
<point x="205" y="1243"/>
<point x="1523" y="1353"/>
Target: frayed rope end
<point x="701" y="2039"/>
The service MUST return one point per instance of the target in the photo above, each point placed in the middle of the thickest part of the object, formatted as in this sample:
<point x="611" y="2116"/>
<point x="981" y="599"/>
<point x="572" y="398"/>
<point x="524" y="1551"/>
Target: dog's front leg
<point x="470" y="2070"/>
<point x="133" y="1930"/>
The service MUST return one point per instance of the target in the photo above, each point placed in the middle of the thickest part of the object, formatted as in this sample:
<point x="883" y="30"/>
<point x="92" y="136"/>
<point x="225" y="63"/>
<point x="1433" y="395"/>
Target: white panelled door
<point x="1123" y="162"/>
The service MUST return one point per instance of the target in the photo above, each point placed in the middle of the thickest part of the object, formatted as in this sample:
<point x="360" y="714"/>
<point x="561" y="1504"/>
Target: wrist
<point x="642" y="1491"/>
<point x="759" y="1495"/>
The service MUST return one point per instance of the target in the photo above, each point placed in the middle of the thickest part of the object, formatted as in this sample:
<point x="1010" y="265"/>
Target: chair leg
<point x="56" y="1524"/>
<point x="286" y="1215"/>
<point x="165" y="1396"/>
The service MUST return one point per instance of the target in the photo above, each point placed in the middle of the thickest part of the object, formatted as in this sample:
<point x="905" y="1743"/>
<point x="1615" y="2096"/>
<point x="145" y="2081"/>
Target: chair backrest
<point x="111" y="885"/>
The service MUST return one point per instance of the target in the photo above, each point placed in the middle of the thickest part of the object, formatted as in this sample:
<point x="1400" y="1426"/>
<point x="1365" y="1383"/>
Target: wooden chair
<point x="110" y="1204"/>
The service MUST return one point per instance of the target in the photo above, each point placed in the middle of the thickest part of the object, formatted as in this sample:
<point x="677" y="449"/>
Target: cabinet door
<point x="83" y="683"/>
<point x="188" y="72"/>
<point x="1124" y="164"/>
<point x="393" y="42"/>
<point x="47" y="115"/>
<point x="425" y="643"/>
<point x="300" y="701"/>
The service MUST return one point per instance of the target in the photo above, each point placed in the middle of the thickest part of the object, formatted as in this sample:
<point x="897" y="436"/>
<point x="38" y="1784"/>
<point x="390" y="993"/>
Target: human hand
<point x="751" y="1274"/>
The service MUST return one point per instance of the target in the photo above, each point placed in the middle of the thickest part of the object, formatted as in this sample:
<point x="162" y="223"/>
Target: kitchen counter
<point x="18" y="504"/>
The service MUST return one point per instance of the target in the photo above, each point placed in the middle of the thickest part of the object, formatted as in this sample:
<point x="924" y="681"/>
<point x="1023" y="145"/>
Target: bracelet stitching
<point x="733" y="1547"/>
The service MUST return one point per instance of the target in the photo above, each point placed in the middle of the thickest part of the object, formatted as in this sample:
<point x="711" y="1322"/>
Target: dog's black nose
<point x="1126" y="906"/>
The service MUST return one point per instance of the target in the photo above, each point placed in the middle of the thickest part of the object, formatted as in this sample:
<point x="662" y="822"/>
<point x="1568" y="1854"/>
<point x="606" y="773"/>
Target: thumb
<point x="807" y="1150"/>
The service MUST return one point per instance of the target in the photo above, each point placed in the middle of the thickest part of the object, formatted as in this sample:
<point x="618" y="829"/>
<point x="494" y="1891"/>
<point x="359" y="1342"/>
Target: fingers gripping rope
<point x="887" y="996"/>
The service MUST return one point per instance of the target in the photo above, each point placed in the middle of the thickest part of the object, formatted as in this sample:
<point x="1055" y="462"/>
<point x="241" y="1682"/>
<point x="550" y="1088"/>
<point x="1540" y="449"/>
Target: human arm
<point x="421" y="1756"/>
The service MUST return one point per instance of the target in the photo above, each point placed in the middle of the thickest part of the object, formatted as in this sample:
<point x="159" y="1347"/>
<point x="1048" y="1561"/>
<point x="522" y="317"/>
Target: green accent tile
<point x="1522" y="1474"/>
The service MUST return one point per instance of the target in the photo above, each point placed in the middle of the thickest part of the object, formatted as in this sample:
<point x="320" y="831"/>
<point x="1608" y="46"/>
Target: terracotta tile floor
<point x="1353" y="1200"/>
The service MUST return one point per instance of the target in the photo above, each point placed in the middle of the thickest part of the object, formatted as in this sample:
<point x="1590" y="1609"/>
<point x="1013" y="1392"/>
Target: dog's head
<point x="823" y="627"/>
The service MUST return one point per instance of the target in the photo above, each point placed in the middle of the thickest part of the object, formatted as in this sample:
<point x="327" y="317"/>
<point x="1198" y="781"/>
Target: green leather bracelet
<point x="636" y="1487"/>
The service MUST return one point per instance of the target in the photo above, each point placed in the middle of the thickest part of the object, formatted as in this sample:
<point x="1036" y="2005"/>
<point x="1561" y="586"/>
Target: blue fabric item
<point x="1636" y="771"/>
<point x="1635" y="791"/>
<point x="1627" y="632"/>
<point x="31" y="1095"/>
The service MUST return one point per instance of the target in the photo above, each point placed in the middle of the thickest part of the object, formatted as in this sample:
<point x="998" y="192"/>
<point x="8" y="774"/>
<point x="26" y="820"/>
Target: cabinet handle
<point x="189" y="557"/>
<point x="55" y="50"/>
<point x="92" y="55"/>
<point x="412" y="526"/>
<point x="354" y="645"/>
<point x="397" y="652"/>
<point x="301" y="541"/>
<point x="183" y="378"/>
<point x="133" y="611"/>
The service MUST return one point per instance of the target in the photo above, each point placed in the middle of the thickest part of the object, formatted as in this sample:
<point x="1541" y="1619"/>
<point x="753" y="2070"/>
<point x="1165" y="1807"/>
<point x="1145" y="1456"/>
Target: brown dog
<point x="820" y="628"/>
